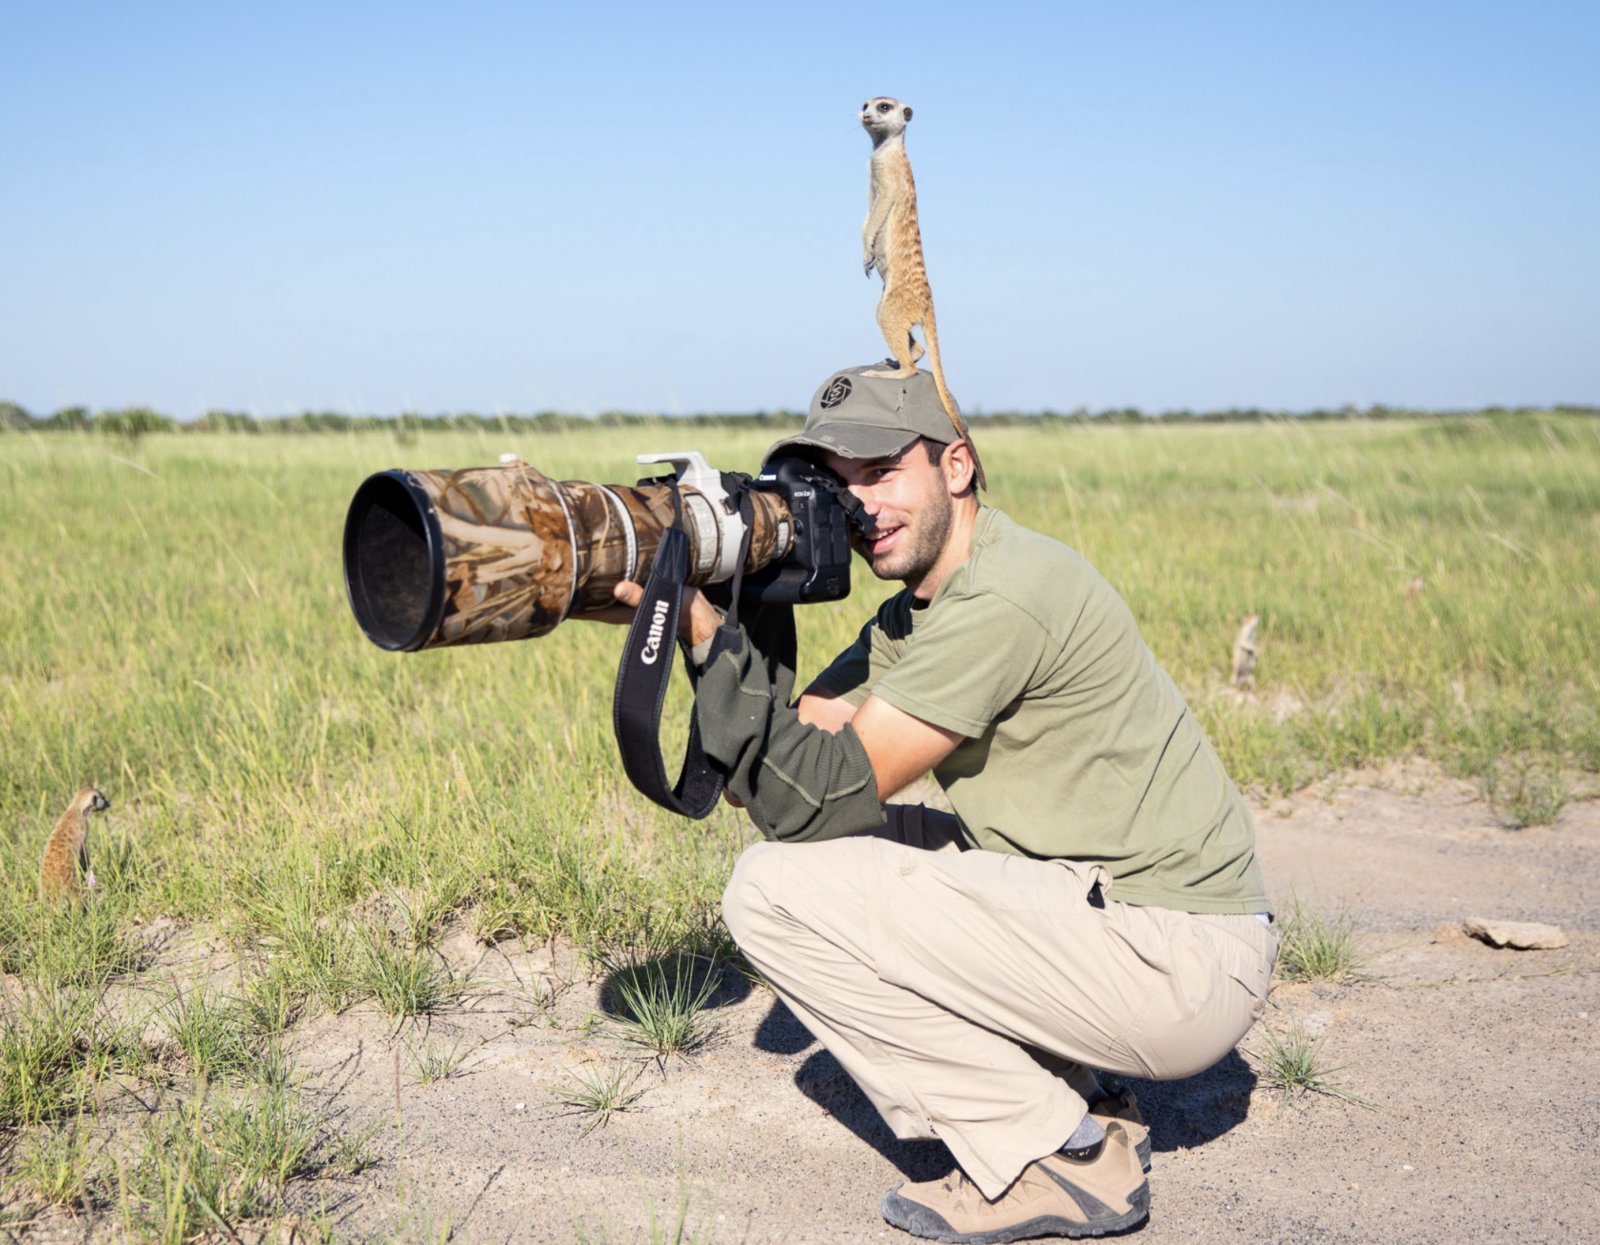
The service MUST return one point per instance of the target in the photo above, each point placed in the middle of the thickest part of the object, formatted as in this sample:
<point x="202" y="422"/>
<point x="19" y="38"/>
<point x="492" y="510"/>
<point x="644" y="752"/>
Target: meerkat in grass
<point x="891" y="242"/>
<point x="1246" y="650"/>
<point x="66" y="852"/>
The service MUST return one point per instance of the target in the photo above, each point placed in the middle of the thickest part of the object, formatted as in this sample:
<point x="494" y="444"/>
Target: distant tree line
<point x="137" y="421"/>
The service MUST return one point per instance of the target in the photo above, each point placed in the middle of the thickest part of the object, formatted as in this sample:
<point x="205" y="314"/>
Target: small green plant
<point x="216" y="1036"/>
<point x="1534" y="796"/>
<point x="70" y="945"/>
<point x="433" y="1061"/>
<point x="269" y="1132"/>
<point x="599" y="1093"/>
<point x="305" y="947"/>
<point x="353" y="1152"/>
<point x="1317" y="947"/>
<point x="182" y="1185"/>
<point x="274" y="1069"/>
<point x="403" y="981"/>
<point x="423" y="908"/>
<point x="269" y="1002"/>
<point x="502" y="913"/>
<point x="661" y="1003"/>
<point x="55" y="1163"/>
<point x="55" y="1047"/>
<point x="210" y="1163"/>
<point x="1292" y="1065"/>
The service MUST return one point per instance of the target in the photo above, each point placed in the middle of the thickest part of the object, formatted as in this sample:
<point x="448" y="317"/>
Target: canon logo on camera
<point x="652" y="640"/>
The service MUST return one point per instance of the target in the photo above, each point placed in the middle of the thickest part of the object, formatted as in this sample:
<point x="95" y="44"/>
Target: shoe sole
<point x="1047" y="1225"/>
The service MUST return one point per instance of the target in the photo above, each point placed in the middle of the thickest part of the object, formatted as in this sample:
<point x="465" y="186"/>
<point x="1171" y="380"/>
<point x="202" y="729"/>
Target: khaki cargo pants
<point x="968" y="992"/>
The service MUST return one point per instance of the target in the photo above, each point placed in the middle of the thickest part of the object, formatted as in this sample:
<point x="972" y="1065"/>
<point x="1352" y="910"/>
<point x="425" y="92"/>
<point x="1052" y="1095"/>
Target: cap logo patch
<point x="837" y="391"/>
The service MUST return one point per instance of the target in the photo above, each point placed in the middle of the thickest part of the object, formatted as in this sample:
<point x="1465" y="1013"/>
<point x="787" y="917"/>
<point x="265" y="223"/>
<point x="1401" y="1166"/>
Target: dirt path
<point x="1483" y="1065"/>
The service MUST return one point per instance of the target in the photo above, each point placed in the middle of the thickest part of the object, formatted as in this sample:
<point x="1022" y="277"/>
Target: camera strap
<point x="647" y="660"/>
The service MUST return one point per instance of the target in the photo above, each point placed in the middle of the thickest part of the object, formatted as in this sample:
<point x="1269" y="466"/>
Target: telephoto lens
<point x="484" y="554"/>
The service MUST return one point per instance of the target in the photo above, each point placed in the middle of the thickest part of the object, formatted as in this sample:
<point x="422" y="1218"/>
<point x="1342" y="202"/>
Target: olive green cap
<point x="855" y="415"/>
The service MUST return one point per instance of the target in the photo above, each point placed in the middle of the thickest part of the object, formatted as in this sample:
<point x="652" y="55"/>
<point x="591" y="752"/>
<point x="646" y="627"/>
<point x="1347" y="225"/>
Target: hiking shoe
<point x="1054" y="1196"/>
<point x="1123" y="1107"/>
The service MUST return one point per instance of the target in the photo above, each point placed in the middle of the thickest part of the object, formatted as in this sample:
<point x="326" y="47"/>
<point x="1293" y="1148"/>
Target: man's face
<point x="910" y="507"/>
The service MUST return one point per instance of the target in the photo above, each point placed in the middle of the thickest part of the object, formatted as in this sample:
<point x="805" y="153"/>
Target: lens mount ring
<point x="624" y="521"/>
<point x="572" y="539"/>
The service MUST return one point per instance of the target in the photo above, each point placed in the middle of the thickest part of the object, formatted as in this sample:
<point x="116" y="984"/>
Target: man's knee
<point x="747" y="900"/>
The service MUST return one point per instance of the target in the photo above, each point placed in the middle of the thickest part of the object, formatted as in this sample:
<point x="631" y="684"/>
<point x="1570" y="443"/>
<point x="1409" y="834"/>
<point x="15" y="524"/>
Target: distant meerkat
<point x="891" y="242"/>
<point x="66" y="852"/>
<point x="1245" y="652"/>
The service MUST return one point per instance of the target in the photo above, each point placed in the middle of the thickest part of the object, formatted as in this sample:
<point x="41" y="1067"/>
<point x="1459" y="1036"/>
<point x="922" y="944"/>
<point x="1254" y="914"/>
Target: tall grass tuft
<point x="599" y="1093"/>
<point x="402" y="980"/>
<point x="56" y="1163"/>
<point x="1315" y="946"/>
<point x="212" y="1165"/>
<point x="217" y="1036"/>
<point x="1292" y="1065"/>
<point x="58" y="1051"/>
<point x="55" y="944"/>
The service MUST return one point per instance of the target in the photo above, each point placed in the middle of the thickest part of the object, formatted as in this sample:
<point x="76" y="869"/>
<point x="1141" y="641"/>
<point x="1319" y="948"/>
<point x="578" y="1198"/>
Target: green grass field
<point x="173" y="628"/>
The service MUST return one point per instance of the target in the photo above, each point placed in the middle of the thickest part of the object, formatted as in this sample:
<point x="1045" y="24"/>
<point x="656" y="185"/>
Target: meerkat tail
<point x="930" y="330"/>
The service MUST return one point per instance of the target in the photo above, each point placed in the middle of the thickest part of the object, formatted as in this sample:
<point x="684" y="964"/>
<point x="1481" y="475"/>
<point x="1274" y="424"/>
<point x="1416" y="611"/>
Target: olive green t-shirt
<point x="1078" y="744"/>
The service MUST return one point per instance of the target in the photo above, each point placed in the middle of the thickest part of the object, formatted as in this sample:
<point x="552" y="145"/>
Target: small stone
<point x="521" y="1106"/>
<point x="1406" y="1167"/>
<point x="1518" y="935"/>
<point x="1449" y="931"/>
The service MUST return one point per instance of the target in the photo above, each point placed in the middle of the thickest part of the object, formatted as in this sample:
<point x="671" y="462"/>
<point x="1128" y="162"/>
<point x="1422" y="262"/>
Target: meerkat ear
<point x="908" y="112"/>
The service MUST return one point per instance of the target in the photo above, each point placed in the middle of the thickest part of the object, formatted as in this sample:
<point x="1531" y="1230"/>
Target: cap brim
<point x="850" y="440"/>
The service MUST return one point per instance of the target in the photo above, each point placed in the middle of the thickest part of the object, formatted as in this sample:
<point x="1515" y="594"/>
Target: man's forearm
<point x="797" y="782"/>
<point x="827" y="711"/>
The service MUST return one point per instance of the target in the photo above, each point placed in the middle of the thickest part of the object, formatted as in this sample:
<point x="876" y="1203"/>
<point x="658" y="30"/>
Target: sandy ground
<point x="1483" y="1068"/>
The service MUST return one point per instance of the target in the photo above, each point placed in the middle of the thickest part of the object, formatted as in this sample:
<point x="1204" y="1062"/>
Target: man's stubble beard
<point x="923" y="543"/>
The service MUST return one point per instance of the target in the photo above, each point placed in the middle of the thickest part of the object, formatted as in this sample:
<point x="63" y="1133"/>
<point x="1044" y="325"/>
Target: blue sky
<point x="377" y="207"/>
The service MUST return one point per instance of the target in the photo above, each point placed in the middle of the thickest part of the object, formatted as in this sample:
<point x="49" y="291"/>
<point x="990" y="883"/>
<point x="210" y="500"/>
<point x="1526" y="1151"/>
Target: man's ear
<point x="957" y="467"/>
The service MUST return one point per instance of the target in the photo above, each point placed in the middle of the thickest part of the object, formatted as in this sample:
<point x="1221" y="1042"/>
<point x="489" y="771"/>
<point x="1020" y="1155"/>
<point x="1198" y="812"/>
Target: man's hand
<point x="697" y="622"/>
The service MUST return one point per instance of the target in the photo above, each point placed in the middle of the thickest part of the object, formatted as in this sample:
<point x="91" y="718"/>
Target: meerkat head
<point x="883" y="116"/>
<point x="93" y="800"/>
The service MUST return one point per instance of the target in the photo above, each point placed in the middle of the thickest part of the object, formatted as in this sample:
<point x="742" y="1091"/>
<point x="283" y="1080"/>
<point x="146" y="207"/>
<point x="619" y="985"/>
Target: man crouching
<point x="1095" y="901"/>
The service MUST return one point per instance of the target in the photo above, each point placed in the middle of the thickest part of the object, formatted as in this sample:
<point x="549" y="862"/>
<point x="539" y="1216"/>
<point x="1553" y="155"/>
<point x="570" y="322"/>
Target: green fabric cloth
<point x="795" y="781"/>
<point x="1078" y="744"/>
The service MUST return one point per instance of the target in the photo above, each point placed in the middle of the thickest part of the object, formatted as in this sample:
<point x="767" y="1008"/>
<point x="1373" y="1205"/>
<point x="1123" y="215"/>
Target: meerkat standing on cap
<point x="891" y="242"/>
<point x="66" y="852"/>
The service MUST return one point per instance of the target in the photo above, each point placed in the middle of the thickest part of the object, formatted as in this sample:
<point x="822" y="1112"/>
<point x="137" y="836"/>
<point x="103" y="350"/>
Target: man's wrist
<point x="700" y="650"/>
<point x="700" y="653"/>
